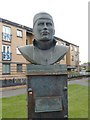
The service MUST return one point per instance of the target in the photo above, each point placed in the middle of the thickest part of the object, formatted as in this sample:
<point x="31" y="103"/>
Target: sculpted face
<point x="43" y="27"/>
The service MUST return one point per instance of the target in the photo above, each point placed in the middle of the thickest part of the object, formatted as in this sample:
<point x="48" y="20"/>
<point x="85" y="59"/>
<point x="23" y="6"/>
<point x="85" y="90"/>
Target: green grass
<point x="16" y="107"/>
<point x="0" y="109"/>
<point x="88" y="81"/>
<point x="78" y="101"/>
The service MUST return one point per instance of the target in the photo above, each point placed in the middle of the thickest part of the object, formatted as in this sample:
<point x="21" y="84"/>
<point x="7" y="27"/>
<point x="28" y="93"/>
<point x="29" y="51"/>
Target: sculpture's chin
<point x="46" y="40"/>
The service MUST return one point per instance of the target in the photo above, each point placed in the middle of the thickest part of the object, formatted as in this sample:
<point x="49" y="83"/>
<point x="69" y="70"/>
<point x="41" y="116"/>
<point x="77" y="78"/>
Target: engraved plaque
<point x="48" y="104"/>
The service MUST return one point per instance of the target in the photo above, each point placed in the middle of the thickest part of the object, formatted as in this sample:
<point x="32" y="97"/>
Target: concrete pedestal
<point x="47" y="91"/>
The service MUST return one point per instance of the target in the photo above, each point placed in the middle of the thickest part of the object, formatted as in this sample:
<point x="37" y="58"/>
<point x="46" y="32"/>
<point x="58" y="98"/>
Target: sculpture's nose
<point x="45" y="26"/>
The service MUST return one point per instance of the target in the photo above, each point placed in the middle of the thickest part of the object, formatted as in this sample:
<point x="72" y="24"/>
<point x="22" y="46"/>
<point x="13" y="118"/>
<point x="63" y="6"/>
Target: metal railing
<point x="6" y="56"/>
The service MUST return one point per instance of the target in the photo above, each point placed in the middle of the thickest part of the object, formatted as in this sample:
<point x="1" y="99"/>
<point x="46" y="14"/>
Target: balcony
<point x="6" y="56"/>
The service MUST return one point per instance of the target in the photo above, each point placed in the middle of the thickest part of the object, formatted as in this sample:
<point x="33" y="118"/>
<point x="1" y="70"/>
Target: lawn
<point x="78" y="101"/>
<point x="88" y="81"/>
<point x="16" y="107"/>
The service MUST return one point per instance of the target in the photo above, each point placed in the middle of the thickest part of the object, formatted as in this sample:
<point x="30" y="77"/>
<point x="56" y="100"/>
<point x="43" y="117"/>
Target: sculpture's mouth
<point x="45" y="33"/>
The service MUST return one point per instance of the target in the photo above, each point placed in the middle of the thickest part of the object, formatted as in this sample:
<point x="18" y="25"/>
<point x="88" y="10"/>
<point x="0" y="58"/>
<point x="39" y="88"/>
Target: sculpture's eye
<point x="49" y="24"/>
<point x="41" y="24"/>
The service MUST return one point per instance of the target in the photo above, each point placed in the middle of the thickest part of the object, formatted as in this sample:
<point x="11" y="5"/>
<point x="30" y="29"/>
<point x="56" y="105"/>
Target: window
<point x="72" y="48"/>
<point x="19" y="33"/>
<point x="75" y="49"/>
<point x="26" y="42"/>
<point x="19" y="67"/>
<point x="6" y="35"/>
<point x="17" y="51"/>
<point x="5" y="68"/>
<point x="72" y="58"/>
<point x="57" y="43"/>
<point x="6" y="52"/>
<point x="62" y="43"/>
<point x="63" y="58"/>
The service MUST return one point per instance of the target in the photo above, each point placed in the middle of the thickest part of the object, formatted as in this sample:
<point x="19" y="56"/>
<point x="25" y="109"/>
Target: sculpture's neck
<point x="44" y="45"/>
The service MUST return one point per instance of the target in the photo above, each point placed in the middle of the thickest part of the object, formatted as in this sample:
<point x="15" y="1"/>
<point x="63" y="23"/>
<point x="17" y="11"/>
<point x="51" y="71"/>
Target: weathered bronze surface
<point x="46" y="69"/>
<point x="46" y="80"/>
<point x="44" y="50"/>
<point x="48" y="104"/>
<point x="49" y="91"/>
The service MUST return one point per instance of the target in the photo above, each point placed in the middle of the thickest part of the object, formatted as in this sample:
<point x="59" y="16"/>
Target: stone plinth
<point x="47" y="91"/>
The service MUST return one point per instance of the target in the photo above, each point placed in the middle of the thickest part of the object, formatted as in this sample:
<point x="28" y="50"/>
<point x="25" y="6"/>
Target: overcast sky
<point x="70" y="18"/>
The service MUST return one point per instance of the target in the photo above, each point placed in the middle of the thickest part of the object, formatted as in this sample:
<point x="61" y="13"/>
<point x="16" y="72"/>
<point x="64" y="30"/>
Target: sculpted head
<point x="43" y="27"/>
<point x="44" y="50"/>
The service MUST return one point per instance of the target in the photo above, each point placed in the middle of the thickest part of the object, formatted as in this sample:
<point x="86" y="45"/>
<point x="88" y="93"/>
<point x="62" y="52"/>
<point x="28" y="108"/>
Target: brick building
<point x="12" y="63"/>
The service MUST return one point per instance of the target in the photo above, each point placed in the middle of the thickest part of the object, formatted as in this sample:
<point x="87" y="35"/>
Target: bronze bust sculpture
<point x="44" y="50"/>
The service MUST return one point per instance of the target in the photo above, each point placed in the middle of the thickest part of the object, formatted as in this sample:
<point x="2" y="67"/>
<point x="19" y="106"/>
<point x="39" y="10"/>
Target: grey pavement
<point x="83" y="81"/>
<point x="18" y="91"/>
<point x="12" y="92"/>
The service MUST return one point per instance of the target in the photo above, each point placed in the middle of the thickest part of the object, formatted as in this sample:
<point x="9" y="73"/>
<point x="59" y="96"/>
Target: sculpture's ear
<point x="54" y="32"/>
<point x="33" y="34"/>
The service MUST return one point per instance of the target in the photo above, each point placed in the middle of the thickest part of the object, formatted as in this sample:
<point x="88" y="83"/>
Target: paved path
<point x="13" y="91"/>
<point x="10" y="93"/>
<point x="83" y="81"/>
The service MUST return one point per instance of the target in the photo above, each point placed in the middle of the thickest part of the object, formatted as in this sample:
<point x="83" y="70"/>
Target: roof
<point x="16" y="24"/>
<point x="30" y="30"/>
<point x="68" y="43"/>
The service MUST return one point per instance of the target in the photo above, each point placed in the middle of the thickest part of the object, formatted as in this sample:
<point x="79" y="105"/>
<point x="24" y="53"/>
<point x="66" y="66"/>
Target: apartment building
<point x="12" y="63"/>
<point x="72" y="56"/>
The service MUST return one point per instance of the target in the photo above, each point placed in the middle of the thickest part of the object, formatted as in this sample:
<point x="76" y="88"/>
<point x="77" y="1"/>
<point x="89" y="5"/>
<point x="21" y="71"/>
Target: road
<point x="17" y="91"/>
